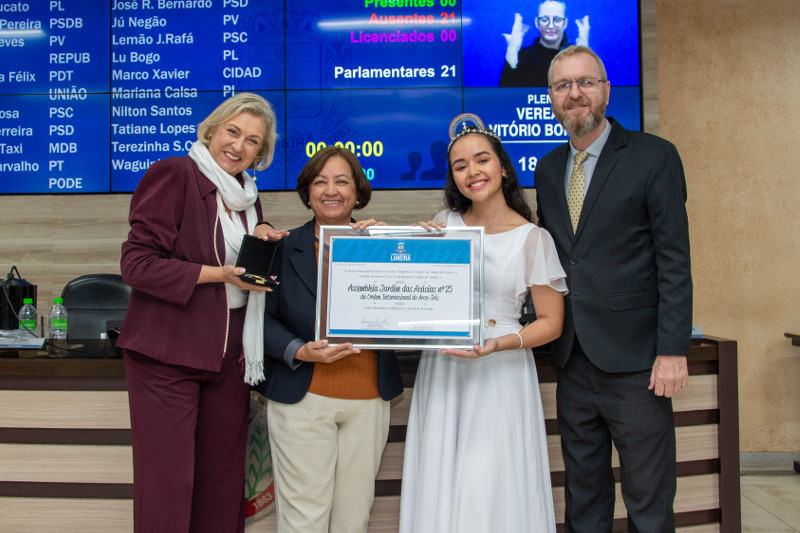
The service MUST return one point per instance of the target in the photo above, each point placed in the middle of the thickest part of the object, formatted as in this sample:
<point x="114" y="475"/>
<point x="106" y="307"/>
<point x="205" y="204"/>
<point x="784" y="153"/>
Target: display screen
<point x="92" y="92"/>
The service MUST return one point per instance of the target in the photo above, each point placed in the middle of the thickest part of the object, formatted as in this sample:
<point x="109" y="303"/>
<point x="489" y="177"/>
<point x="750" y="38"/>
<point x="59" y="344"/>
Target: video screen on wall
<point x="93" y="92"/>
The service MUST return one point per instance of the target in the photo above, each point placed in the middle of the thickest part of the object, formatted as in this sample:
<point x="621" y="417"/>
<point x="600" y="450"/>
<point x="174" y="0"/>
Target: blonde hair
<point x="236" y="105"/>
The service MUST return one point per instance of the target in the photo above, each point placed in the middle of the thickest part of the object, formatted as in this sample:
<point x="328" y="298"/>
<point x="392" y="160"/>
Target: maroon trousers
<point x="189" y="433"/>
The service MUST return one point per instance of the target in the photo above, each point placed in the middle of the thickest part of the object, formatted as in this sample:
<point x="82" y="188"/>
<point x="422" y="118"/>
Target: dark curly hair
<point x="512" y="191"/>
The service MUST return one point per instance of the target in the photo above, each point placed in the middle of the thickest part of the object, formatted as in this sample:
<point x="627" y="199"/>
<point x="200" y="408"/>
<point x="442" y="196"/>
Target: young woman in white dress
<point x="476" y="449"/>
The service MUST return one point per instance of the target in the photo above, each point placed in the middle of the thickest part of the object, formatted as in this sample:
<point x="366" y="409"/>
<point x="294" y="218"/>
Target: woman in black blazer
<point x="328" y="408"/>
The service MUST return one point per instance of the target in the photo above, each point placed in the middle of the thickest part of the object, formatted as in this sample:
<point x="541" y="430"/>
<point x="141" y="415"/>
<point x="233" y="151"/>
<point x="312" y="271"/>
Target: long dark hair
<point x="512" y="191"/>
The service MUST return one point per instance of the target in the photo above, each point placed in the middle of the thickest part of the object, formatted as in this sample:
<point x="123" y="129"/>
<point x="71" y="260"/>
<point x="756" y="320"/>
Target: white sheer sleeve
<point x="442" y="216"/>
<point x="542" y="264"/>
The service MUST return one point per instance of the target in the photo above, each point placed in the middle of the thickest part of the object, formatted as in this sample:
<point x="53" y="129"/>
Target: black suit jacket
<point x="628" y="264"/>
<point x="290" y="315"/>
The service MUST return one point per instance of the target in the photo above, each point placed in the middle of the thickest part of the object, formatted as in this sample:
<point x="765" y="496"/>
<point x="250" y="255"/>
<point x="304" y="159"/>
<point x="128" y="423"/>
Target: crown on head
<point x="477" y="127"/>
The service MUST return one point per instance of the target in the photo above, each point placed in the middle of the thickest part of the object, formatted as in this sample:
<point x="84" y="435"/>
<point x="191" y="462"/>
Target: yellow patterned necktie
<point x="577" y="184"/>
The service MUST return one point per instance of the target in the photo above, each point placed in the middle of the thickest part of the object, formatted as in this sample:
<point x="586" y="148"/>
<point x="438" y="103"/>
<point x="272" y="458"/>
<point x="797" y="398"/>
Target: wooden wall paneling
<point x="707" y="528"/>
<point x="392" y="462"/>
<point x="58" y="463"/>
<point x="649" y="51"/>
<point x="76" y="441"/>
<point x="701" y="394"/>
<point x="400" y="406"/>
<point x="65" y="515"/>
<point x="64" y="409"/>
<point x="694" y="443"/>
<point x="695" y="493"/>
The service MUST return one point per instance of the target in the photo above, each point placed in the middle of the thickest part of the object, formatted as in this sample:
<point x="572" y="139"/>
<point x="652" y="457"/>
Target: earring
<point x="358" y="203"/>
<point x="308" y="204"/>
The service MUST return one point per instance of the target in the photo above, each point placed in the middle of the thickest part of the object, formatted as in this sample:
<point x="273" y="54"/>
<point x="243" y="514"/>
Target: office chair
<point x="96" y="303"/>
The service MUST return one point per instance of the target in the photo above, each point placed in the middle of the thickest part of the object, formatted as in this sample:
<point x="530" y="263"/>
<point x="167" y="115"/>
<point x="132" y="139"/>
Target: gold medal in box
<point x="256" y="257"/>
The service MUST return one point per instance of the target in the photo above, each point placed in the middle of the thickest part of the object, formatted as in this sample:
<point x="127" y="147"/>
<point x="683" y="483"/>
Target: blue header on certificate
<point x="393" y="250"/>
<point x="400" y="287"/>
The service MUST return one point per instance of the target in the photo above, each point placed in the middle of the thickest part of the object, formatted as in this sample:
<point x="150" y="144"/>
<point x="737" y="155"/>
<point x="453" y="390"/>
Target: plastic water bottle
<point x="58" y="320"/>
<point x="27" y="319"/>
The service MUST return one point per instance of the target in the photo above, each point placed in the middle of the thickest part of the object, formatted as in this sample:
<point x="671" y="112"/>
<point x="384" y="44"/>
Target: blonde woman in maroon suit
<point x="193" y="331"/>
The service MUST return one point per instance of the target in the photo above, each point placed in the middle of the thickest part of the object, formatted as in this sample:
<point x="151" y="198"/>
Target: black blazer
<point x="290" y="315"/>
<point x="628" y="264"/>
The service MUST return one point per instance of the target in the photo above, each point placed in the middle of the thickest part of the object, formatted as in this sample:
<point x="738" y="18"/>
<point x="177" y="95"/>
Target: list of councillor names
<point x="84" y="83"/>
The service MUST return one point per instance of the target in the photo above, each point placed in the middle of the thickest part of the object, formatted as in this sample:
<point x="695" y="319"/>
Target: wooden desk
<point x="65" y="457"/>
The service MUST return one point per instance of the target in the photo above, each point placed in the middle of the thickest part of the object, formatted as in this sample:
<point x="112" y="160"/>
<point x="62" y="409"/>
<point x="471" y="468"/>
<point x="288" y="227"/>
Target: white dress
<point x="476" y="448"/>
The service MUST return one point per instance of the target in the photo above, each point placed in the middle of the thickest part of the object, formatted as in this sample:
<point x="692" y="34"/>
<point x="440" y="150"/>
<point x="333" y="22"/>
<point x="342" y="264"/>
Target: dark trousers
<point x="189" y="434"/>
<point x="594" y="409"/>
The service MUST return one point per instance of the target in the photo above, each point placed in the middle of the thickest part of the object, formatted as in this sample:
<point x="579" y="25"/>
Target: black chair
<point x="96" y="303"/>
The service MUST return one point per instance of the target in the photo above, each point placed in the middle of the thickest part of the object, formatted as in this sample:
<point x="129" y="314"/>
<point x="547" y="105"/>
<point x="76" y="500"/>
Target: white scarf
<point x="236" y="198"/>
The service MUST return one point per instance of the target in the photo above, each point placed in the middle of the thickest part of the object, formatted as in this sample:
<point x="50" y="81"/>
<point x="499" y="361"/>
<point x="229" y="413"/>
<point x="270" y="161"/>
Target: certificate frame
<point x="400" y="287"/>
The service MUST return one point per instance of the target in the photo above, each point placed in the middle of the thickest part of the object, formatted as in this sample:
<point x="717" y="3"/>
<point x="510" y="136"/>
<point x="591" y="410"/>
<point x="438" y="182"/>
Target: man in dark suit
<point x="614" y="202"/>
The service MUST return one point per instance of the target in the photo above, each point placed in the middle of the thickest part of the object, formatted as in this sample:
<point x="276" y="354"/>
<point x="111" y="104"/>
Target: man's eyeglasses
<point x="583" y="85"/>
<point x="545" y="21"/>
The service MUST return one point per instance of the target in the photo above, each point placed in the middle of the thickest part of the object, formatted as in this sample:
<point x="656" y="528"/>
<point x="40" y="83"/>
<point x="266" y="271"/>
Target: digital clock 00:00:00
<point x="366" y="148"/>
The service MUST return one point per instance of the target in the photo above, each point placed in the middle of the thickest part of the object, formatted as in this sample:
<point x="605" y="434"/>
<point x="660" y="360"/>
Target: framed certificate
<point x="400" y="287"/>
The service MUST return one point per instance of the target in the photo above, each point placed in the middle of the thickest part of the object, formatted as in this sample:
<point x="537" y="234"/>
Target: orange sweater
<point x="354" y="377"/>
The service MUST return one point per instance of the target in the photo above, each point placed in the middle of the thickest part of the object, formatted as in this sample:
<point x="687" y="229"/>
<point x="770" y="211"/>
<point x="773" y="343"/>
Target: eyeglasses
<point x="583" y="85"/>
<point x="545" y="21"/>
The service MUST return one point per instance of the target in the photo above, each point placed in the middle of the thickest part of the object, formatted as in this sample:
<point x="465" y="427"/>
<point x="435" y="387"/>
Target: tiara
<point x="477" y="127"/>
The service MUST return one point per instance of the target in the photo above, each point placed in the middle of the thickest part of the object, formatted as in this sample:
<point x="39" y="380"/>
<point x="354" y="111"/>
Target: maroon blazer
<point x="174" y="231"/>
